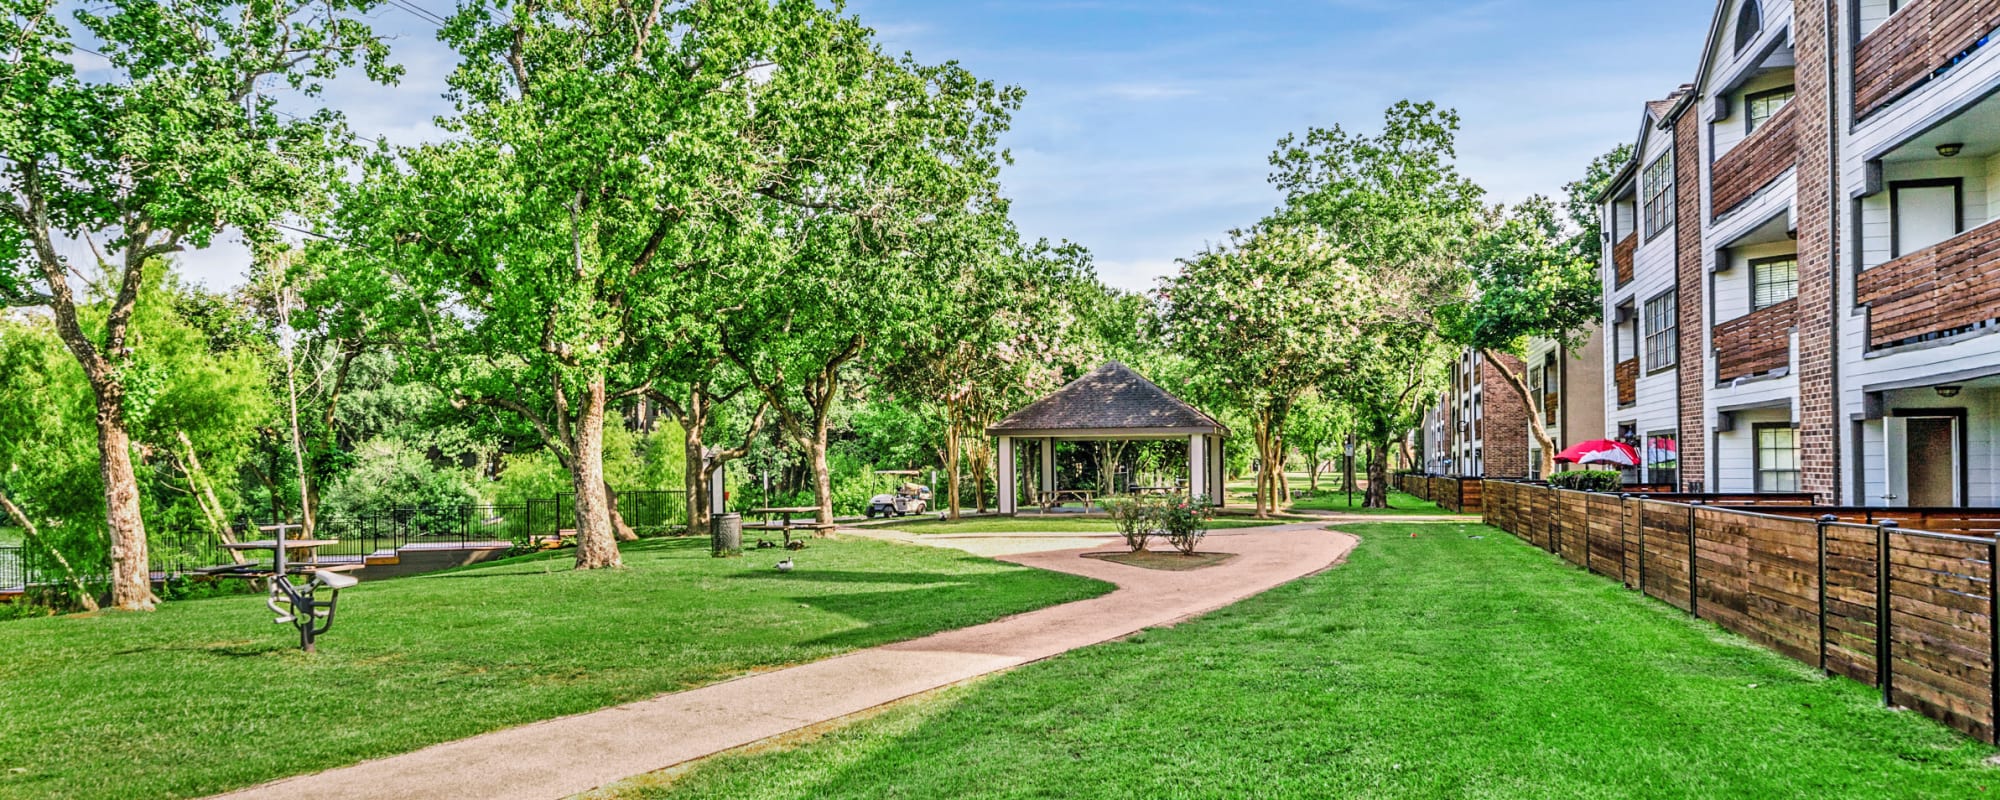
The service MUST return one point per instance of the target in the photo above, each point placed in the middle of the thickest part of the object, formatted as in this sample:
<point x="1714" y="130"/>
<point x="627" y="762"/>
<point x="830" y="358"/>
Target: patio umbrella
<point x="1601" y="451"/>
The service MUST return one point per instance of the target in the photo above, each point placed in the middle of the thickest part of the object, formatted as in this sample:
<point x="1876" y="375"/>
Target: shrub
<point x="1184" y="521"/>
<point x="392" y="475"/>
<point x="1137" y="518"/>
<point x="1588" y="480"/>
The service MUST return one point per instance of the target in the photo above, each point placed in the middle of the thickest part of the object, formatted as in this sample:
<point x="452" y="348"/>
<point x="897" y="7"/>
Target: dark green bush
<point x="1588" y="480"/>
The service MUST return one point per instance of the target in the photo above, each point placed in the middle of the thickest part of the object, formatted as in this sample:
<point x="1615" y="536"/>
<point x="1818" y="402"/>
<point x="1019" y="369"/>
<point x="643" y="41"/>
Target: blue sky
<point x="1148" y="123"/>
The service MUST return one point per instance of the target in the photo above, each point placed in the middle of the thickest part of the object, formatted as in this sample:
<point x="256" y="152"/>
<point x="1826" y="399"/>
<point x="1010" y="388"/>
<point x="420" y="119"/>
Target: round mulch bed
<point x="1170" y="561"/>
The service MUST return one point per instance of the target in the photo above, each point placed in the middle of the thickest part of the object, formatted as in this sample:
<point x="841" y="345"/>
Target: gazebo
<point x="1111" y="403"/>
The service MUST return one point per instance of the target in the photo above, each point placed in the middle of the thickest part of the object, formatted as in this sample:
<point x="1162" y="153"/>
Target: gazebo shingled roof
<point x="1109" y="398"/>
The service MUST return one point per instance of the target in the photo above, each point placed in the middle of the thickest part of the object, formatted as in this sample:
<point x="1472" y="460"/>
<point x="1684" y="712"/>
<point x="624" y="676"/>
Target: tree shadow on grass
<point x="808" y="575"/>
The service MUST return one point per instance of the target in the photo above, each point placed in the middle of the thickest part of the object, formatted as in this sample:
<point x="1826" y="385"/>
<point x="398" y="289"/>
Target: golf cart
<point x="910" y="497"/>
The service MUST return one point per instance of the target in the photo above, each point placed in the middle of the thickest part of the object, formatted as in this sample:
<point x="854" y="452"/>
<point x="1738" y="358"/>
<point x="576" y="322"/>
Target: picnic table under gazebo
<point x="1112" y="403"/>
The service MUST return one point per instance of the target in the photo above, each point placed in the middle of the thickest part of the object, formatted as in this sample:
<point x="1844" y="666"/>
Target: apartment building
<point x="1480" y="426"/>
<point x="1803" y="263"/>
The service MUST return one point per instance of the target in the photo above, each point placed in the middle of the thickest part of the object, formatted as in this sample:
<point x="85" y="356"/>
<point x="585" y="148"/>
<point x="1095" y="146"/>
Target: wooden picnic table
<point x="1054" y="498"/>
<point x="785" y="525"/>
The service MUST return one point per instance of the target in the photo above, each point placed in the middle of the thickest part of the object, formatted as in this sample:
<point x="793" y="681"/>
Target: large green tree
<point x="1002" y="332"/>
<point x="1265" y="316"/>
<point x="1395" y="205"/>
<point x="1581" y="201"/>
<point x="1529" y="281"/>
<point x="176" y="140"/>
<point x="867" y="220"/>
<point x="608" y="162"/>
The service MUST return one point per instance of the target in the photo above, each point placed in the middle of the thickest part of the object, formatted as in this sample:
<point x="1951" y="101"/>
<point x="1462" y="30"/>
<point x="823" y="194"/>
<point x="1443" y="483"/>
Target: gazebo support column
<point x="1197" y="484"/>
<point x="1217" y="482"/>
<point x="1048" y="482"/>
<point x="1010" y="487"/>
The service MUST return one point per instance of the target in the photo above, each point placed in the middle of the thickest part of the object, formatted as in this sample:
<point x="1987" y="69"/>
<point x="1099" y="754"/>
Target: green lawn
<point x="209" y="695"/>
<point x="1441" y="666"/>
<point x="1050" y="525"/>
<point x="1399" y="503"/>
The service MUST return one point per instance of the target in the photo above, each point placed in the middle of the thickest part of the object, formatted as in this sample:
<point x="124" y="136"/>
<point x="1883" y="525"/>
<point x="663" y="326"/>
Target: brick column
<point x="1688" y="300"/>
<point x="1505" y="424"/>
<point x="1819" y="246"/>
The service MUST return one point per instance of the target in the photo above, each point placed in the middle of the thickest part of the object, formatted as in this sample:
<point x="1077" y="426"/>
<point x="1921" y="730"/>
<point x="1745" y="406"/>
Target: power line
<point x="418" y="12"/>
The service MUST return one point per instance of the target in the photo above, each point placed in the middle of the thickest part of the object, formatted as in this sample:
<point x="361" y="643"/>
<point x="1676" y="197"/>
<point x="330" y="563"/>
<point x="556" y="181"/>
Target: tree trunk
<point x="951" y="455"/>
<point x="979" y="476"/>
<point x="1312" y="466"/>
<point x="131" y="571"/>
<point x="1537" y="425"/>
<point x="822" y="479"/>
<point x="619" y="529"/>
<point x="1261" y="432"/>
<point x="1284" y="481"/>
<point x="596" y="544"/>
<point x="695" y="473"/>
<point x="1378" y="475"/>
<point x="34" y="535"/>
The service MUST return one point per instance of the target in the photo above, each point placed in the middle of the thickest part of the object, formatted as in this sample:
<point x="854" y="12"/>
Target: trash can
<point x="726" y="535"/>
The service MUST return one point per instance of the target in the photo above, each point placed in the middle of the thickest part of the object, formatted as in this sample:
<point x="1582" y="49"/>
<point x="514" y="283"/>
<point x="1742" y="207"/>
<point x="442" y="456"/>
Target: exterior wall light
<point x="1950" y="149"/>
<point x="1949" y="392"/>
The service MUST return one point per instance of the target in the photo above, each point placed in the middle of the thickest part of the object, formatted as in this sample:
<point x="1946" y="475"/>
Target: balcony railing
<point x="1627" y="377"/>
<point x="1622" y="255"/>
<point x="1945" y="288"/>
<point x="1755" y="343"/>
<point x="1757" y="161"/>
<point x="1924" y="36"/>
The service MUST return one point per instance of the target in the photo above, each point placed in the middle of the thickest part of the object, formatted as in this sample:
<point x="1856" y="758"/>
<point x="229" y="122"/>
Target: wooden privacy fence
<point x="1461" y="495"/>
<point x="1910" y="611"/>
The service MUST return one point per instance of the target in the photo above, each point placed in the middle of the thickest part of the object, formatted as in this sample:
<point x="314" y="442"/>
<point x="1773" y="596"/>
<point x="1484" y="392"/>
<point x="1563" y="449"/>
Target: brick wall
<point x="1506" y="421"/>
<point x="1818" y="85"/>
<point x="1689" y="280"/>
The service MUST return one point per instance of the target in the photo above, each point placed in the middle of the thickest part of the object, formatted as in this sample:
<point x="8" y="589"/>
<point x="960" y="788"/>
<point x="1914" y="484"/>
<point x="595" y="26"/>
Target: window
<point x="1773" y="281"/>
<point x="1659" y="189"/>
<point x="1749" y="23"/>
<point x="1662" y="332"/>
<point x="1625" y="333"/>
<point x="1551" y="390"/>
<point x="1924" y="213"/>
<point x="1762" y="106"/>
<point x="1777" y="457"/>
<point x="1662" y="455"/>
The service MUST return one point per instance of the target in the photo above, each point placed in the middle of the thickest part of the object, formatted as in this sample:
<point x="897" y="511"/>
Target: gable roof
<point x="1109" y="398"/>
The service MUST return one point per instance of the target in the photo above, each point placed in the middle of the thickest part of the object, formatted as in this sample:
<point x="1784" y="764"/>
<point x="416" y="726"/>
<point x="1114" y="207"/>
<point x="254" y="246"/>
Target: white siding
<point x="1872" y="14"/>
<point x="1732" y="130"/>
<point x="1982" y="406"/>
<point x="1733" y="282"/>
<point x="1735" y="451"/>
<point x="1875" y="221"/>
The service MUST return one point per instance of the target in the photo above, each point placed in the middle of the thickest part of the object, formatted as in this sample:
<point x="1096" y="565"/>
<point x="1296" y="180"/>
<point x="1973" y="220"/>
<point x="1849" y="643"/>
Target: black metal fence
<point x="13" y="573"/>
<point x="176" y="552"/>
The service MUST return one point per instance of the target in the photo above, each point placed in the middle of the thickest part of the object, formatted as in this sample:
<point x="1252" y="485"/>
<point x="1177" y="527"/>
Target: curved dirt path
<point x="565" y="756"/>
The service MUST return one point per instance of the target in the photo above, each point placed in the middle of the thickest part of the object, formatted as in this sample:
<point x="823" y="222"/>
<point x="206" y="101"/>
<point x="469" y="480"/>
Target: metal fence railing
<point x="180" y="551"/>
<point x="13" y="574"/>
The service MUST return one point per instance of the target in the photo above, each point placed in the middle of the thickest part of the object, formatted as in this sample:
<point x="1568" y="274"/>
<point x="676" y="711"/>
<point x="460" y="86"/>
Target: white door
<point x="1896" y="462"/>
<point x="1925" y="215"/>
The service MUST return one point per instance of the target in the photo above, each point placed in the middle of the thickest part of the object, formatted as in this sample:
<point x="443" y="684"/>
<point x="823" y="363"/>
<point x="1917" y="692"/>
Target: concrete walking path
<point x="565" y="756"/>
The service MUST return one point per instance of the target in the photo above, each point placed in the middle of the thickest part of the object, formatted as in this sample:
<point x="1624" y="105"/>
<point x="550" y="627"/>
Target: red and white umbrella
<point x="1601" y="451"/>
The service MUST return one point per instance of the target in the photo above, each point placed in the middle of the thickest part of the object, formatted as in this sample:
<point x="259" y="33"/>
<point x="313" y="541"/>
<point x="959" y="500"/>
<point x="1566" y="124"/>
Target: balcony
<point x="1627" y="377"/>
<point x="1757" y="161"/>
<point x="1920" y="39"/>
<point x="1755" y="343"/>
<point x="1950" y="287"/>
<point x="1622" y="255"/>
